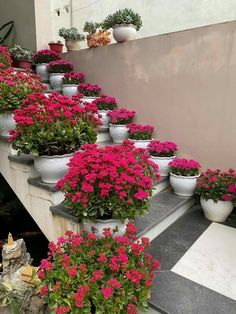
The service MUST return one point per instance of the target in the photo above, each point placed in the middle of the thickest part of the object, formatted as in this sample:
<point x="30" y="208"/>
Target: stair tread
<point x="22" y="159"/>
<point x="4" y="138"/>
<point x="39" y="183"/>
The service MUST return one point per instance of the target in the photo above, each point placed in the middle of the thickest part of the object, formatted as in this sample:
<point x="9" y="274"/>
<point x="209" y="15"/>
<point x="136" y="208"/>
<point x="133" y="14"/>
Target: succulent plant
<point x="71" y="33"/>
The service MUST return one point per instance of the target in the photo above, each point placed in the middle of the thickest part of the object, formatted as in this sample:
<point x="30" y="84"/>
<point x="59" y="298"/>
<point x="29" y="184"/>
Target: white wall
<point x="159" y="16"/>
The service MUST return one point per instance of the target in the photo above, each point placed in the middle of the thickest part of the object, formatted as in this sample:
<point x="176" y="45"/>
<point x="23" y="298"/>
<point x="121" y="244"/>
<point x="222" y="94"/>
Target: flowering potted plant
<point x="162" y="153"/>
<point x="5" y="58"/>
<point x="95" y="37"/>
<point x="56" y="70"/>
<point x="125" y="24"/>
<point x="72" y="38"/>
<point x="56" y="47"/>
<point x="90" y="91"/>
<point x="41" y="58"/>
<point x="52" y="129"/>
<point x="118" y="126"/>
<point x="217" y="192"/>
<point x="183" y="176"/>
<point x="84" y="274"/>
<point x="104" y="105"/>
<point x="108" y="185"/>
<point x="14" y="88"/>
<point x="21" y="56"/>
<point x="140" y="134"/>
<point x="70" y="83"/>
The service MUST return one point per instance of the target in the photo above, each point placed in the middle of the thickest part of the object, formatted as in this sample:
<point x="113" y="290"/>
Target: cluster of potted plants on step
<point x="70" y="83"/>
<point x="87" y="274"/>
<point x="90" y="91"/>
<point x="105" y="104"/>
<point x="140" y="134"/>
<point x="42" y="58"/>
<point x="22" y="57"/>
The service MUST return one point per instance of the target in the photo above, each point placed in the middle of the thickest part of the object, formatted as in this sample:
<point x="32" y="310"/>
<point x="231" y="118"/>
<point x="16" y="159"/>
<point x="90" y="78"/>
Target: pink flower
<point x="107" y="292"/>
<point x="226" y="197"/>
<point x="162" y="149"/>
<point x="140" y="132"/>
<point x="44" y="291"/>
<point x="114" y="283"/>
<point x="121" y="116"/>
<point x="141" y="194"/>
<point x="62" y="309"/>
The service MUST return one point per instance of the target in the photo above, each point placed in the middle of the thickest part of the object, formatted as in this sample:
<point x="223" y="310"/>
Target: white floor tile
<point x="211" y="261"/>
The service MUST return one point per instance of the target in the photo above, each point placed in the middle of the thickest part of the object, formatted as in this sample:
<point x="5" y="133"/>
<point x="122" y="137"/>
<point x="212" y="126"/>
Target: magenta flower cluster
<point x="89" y="90"/>
<point x="162" y="149"/>
<point x="59" y="66"/>
<point x="105" y="102"/>
<point x="140" y="132"/>
<point x="45" y="56"/>
<point x="184" y="167"/>
<point x="121" y="116"/>
<point x="73" y="77"/>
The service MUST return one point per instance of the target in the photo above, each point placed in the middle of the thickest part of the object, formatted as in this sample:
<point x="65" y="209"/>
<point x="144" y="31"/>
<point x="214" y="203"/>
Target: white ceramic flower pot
<point x="163" y="164"/>
<point x="56" y="81"/>
<point x="41" y="70"/>
<point x="89" y="99"/>
<point x="7" y="123"/>
<point x="106" y="223"/>
<point x="52" y="168"/>
<point x="216" y="211"/>
<point x="105" y="119"/>
<point x="118" y="132"/>
<point x="141" y="143"/>
<point x="124" y="32"/>
<point x="183" y="185"/>
<point x="72" y="44"/>
<point x="69" y="89"/>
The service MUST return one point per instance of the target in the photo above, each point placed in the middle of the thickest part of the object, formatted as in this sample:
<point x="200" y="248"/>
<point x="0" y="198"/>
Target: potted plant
<point x="104" y="105"/>
<point x="52" y="129"/>
<point x="72" y="38"/>
<point x="22" y="56"/>
<point x="140" y="134"/>
<point x="42" y="58"/>
<point x="162" y="153"/>
<point x="217" y="190"/>
<point x="84" y="274"/>
<point x="57" y="70"/>
<point x="90" y="91"/>
<point x="125" y="24"/>
<point x="14" y="88"/>
<point x="183" y="176"/>
<point x="57" y="47"/>
<point x="120" y="118"/>
<point x="70" y="83"/>
<point x="5" y="58"/>
<point x="95" y="37"/>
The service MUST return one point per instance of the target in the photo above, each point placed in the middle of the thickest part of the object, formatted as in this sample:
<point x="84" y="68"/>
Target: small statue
<point x="10" y="240"/>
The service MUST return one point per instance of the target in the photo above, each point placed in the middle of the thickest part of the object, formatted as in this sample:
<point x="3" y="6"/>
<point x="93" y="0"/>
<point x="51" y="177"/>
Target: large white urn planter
<point x="72" y="44"/>
<point x="183" y="185"/>
<point x="41" y="70"/>
<point x="216" y="211"/>
<point x="88" y="99"/>
<point x="141" y="143"/>
<point x="106" y="223"/>
<point x="118" y="132"/>
<point x="124" y="32"/>
<point x="56" y="81"/>
<point x="69" y="89"/>
<point x="163" y="164"/>
<point x="7" y="123"/>
<point x="52" y="168"/>
<point x="105" y="119"/>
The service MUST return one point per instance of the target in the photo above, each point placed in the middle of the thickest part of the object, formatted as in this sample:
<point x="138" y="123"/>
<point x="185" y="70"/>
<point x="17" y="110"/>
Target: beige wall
<point x="183" y="83"/>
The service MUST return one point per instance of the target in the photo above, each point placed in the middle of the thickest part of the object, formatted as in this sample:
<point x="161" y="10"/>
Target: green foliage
<point x="126" y="16"/>
<point x="91" y="27"/>
<point x="21" y="54"/>
<point x="10" y="297"/>
<point x="71" y="33"/>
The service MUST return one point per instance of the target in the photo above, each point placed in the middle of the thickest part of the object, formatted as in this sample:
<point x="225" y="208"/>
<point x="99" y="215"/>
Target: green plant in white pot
<point x="125" y="24"/>
<point x="72" y="38"/>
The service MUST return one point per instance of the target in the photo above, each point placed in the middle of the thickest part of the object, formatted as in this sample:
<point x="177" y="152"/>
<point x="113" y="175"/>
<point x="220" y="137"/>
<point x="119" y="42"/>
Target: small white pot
<point x="105" y="119"/>
<point x="183" y="185"/>
<point x="56" y="81"/>
<point x="69" y="89"/>
<point x="216" y="211"/>
<point x="7" y="123"/>
<point x="106" y="223"/>
<point x="89" y="99"/>
<point x="52" y="168"/>
<point x="118" y="132"/>
<point x="124" y="32"/>
<point x="163" y="164"/>
<point x="41" y="70"/>
<point x="140" y="143"/>
<point x="72" y="44"/>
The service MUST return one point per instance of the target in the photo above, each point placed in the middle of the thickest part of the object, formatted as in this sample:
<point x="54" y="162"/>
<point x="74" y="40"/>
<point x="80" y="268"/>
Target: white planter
<point x="41" y="70"/>
<point x="141" y="143"/>
<point x="72" y="44"/>
<point x="7" y="123"/>
<point x="183" y="185"/>
<point x="124" y="32"/>
<point x="105" y="119"/>
<point x="56" y="81"/>
<point x="52" y="168"/>
<point x="69" y="89"/>
<point x="163" y="164"/>
<point x="89" y="99"/>
<point x="216" y="211"/>
<point x="106" y="223"/>
<point x="118" y="132"/>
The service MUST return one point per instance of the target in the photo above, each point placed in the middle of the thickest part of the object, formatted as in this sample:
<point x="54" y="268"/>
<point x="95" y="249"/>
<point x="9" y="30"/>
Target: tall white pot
<point x="41" y="70"/>
<point x="52" y="168"/>
<point x="106" y="223"/>
<point x="216" y="211"/>
<point x="72" y="44"/>
<point x="118" y="132"/>
<point x="183" y="185"/>
<point x="163" y="164"/>
<point x="105" y="119"/>
<point x="69" y="89"/>
<point x="88" y="99"/>
<point x="7" y="123"/>
<point x="124" y="32"/>
<point x="56" y="81"/>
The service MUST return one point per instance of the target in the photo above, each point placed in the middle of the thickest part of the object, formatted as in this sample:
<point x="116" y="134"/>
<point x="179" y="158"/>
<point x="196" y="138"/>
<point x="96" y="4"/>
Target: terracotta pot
<point x="57" y="47"/>
<point x="25" y="64"/>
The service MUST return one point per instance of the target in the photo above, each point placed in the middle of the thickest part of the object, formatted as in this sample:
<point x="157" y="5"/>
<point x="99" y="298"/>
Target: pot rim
<point x="185" y="177"/>
<point x="93" y="97"/>
<point x="139" y="141"/>
<point x="104" y="111"/>
<point x="58" y="44"/>
<point x="55" y="156"/>
<point x="124" y="25"/>
<point x="42" y="63"/>
<point x="107" y="220"/>
<point x="157" y="157"/>
<point x="54" y="74"/>
<point x="116" y="125"/>
<point x="210" y="199"/>
<point x="69" y="85"/>
<point x="8" y="113"/>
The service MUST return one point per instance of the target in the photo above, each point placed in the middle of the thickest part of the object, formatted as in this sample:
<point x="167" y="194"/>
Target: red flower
<point x="107" y="292"/>
<point x="62" y="309"/>
<point x="44" y="291"/>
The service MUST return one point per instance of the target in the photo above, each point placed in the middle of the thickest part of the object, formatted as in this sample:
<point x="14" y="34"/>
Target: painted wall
<point x="159" y="16"/>
<point x="182" y="83"/>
